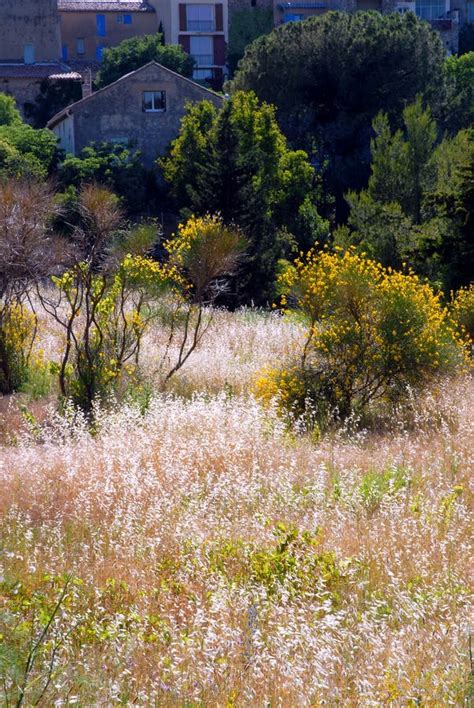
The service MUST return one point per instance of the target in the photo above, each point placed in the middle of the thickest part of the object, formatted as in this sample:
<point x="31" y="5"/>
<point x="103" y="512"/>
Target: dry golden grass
<point x="219" y="559"/>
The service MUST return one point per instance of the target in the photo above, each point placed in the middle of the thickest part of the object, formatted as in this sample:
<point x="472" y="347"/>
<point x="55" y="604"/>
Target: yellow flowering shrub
<point x="17" y="330"/>
<point x="104" y="345"/>
<point x="203" y="250"/>
<point x="462" y="311"/>
<point x="371" y="333"/>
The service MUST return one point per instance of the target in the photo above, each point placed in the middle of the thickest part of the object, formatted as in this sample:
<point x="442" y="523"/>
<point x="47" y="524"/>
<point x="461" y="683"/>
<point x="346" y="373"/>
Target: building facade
<point x="202" y="30"/>
<point x="30" y="49"/>
<point x="155" y="99"/>
<point x="90" y="26"/>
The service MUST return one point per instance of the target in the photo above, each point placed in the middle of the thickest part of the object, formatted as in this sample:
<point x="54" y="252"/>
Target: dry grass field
<point x="198" y="553"/>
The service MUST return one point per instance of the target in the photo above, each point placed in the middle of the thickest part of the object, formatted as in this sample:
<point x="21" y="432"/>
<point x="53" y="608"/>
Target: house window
<point x="471" y="12"/>
<point x="80" y="46"/>
<point x="29" y="54"/>
<point x="99" y="52"/>
<point x="430" y="9"/>
<point x="202" y="50"/>
<point x="124" y="19"/>
<point x="203" y="74"/>
<point x="154" y="101"/>
<point x="200" y="18"/>
<point x="101" y="26"/>
<point x="64" y="52"/>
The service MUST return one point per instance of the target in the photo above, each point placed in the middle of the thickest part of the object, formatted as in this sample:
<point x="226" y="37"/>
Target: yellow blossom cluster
<point x="371" y="332"/>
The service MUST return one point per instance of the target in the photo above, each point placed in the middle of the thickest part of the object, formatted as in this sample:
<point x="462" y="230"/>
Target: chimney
<point x="87" y="83"/>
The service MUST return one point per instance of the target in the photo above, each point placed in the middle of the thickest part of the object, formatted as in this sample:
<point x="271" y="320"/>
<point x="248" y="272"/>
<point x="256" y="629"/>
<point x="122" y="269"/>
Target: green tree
<point x="133" y="53"/>
<point x="400" y="159"/>
<point x="446" y="243"/>
<point x="53" y="96"/>
<point x="117" y="167"/>
<point x="236" y="161"/>
<point x="460" y="75"/>
<point x="9" y="113"/>
<point x="329" y="76"/>
<point x="245" y="27"/>
<point x="30" y="152"/>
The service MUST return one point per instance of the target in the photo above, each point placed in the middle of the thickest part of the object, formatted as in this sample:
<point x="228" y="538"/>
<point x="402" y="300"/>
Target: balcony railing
<point x="203" y="59"/>
<point x="201" y="26"/>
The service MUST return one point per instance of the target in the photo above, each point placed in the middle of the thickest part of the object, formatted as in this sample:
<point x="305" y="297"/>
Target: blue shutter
<point x="101" y="28"/>
<point x="65" y="52"/>
<point x="127" y="19"/>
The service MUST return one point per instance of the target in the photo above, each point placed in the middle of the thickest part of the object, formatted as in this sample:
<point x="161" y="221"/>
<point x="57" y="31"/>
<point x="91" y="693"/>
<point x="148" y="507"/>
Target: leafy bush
<point x="117" y="167"/>
<point x="462" y="309"/>
<point x="371" y="333"/>
<point x="17" y="331"/>
<point x="107" y="299"/>
<point x="133" y="53"/>
<point x="9" y="113"/>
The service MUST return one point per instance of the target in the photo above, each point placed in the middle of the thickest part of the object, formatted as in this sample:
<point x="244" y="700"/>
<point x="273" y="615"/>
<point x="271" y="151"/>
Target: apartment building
<point x="201" y="29"/>
<point x="90" y="26"/>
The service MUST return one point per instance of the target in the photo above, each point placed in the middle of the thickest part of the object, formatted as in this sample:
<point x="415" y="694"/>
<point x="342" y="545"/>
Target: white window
<point x="203" y="74"/>
<point x="200" y="18"/>
<point x="154" y="101"/>
<point x="202" y="50"/>
<point x="431" y="9"/>
<point x="29" y="54"/>
<point x="80" y="46"/>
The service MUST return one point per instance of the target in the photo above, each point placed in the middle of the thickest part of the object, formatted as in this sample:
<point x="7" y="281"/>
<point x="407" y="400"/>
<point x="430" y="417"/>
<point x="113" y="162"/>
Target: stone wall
<point x="33" y="22"/>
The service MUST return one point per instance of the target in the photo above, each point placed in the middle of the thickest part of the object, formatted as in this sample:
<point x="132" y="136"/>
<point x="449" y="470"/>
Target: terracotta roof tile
<point x="105" y="5"/>
<point x="36" y="71"/>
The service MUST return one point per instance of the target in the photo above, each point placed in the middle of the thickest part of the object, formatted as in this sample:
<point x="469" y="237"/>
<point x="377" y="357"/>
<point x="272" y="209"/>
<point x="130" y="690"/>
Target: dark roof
<point x="37" y="71"/>
<point x="70" y="109"/>
<point x="302" y="5"/>
<point x="105" y="5"/>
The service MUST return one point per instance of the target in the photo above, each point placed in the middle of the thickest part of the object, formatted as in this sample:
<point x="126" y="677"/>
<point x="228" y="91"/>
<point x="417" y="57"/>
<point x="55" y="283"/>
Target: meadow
<point x="194" y="550"/>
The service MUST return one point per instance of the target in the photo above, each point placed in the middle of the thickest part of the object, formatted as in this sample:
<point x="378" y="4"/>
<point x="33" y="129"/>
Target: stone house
<point x="143" y="108"/>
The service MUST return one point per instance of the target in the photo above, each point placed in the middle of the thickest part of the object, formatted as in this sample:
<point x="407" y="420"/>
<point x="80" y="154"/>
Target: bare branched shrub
<point x="28" y="253"/>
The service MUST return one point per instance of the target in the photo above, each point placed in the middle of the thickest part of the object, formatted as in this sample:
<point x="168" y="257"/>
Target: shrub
<point x="17" y="332"/>
<point x="462" y="309"/>
<point x="107" y="299"/>
<point x="371" y="333"/>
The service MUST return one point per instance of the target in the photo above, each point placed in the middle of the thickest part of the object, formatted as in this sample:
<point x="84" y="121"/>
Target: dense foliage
<point x="117" y="167"/>
<point x="236" y="161"/>
<point x="372" y="334"/>
<point x="330" y="75"/>
<point x="24" y="152"/>
<point x="245" y="27"/>
<point x="418" y="203"/>
<point x="133" y="53"/>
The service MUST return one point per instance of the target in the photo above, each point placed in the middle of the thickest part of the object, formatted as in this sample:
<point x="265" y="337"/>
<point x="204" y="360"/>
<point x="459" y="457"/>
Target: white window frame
<point x="154" y="110"/>
<point x="200" y="25"/>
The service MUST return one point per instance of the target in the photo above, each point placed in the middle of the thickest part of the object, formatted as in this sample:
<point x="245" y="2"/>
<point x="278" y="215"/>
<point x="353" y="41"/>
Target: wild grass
<point x="206" y="555"/>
